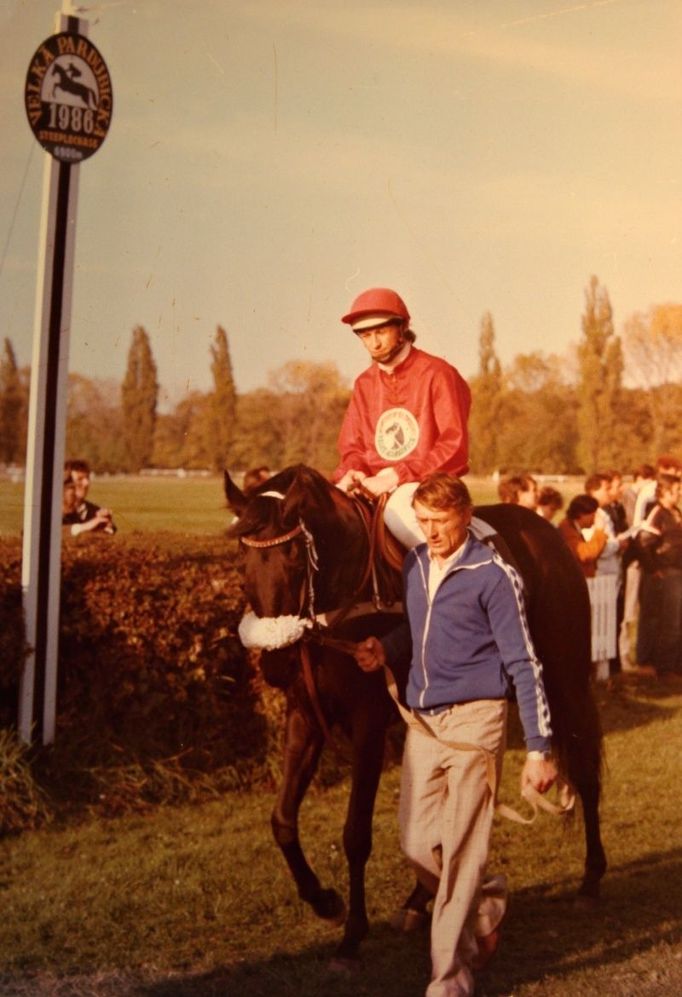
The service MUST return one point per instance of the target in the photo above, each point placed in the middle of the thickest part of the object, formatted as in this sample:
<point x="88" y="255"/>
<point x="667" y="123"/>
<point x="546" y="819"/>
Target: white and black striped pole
<point x="68" y="103"/>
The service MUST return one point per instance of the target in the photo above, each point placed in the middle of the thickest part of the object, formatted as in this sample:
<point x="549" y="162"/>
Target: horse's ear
<point x="236" y="499"/>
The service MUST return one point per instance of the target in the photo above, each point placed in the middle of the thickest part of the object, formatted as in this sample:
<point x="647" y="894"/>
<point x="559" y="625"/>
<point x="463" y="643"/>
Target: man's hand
<point x="350" y="480"/>
<point x="369" y="654"/>
<point x="386" y="481"/>
<point x="539" y="773"/>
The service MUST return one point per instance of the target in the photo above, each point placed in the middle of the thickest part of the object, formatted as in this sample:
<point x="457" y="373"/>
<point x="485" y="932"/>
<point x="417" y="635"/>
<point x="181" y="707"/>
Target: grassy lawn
<point x="196" y="900"/>
<point x="185" y="505"/>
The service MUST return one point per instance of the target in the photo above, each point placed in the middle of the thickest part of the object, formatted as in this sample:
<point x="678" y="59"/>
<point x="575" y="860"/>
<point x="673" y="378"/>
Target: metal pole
<point x="41" y="564"/>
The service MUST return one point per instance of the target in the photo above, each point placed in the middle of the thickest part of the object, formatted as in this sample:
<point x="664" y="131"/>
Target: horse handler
<point x="468" y="646"/>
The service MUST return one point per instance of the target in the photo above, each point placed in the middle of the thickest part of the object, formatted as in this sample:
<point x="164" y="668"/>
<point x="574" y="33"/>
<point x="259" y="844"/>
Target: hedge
<point x="156" y="697"/>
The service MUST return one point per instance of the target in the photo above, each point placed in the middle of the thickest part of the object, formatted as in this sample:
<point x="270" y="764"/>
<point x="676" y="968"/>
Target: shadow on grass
<point x="623" y="706"/>
<point x="548" y="937"/>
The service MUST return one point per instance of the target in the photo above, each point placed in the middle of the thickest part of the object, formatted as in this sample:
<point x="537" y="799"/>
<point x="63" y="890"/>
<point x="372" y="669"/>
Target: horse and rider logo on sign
<point x="397" y="434"/>
<point x="68" y="97"/>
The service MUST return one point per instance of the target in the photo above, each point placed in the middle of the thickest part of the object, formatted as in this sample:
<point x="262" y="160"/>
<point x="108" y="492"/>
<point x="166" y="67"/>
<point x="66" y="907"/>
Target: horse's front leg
<point x="302" y="748"/>
<point x="368" y="754"/>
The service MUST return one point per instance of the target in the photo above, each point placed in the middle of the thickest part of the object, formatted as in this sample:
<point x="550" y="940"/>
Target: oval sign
<point x="68" y="97"/>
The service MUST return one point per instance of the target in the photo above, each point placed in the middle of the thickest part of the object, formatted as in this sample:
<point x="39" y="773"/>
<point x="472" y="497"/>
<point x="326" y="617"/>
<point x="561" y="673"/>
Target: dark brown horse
<point x="306" y="550"/>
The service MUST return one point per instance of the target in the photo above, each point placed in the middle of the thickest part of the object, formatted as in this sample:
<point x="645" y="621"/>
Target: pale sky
<point x="270" y="159"/>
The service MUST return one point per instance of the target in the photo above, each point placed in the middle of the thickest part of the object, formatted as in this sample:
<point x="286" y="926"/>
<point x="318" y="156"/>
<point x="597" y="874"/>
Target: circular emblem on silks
<point x="397" y="434"/>
<point x="68" y="97"/>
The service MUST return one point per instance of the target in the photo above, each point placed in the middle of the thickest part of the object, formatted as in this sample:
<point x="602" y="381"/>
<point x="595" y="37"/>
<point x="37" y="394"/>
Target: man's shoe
<point x="487" y="947"/>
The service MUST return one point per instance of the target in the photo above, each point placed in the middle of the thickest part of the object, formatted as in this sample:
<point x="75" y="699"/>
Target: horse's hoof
<point x="343" y="967"/>
<point x="587" y="899"/>
<point x="330" y="906"/>
<point x="407" y="920"/>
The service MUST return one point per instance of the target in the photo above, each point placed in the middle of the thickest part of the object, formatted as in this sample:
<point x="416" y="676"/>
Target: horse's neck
<point x="343" y="548"/>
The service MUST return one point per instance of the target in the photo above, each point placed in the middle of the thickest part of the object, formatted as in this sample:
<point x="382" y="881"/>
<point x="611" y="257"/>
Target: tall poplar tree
<point x="12" y="406"/>
<point x="139" y="395"/>
<point x="223" y="402"/>
<point x="487" y="396"/>
<point x="600" y="362"/>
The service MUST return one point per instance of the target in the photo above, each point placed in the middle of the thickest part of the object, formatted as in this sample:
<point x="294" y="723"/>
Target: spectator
<point x="255" y="477"/>
<point x="71" y="519"/>
<point x="659" y="641"/>
<point x="79" y="472"/>
<point x="549" y="502"/>
<point x="665" y="464"/>
<point x="626" y="649"/>
<point x="519" y="489"/>
<point x="609" y="562"/>
<point x="580" y="516"/>
<point x="614" y="507"/>
<point x="640" y="475"/>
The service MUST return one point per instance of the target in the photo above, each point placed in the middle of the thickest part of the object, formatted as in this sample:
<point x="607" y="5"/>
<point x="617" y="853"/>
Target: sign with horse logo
<point x="68" y="97"/>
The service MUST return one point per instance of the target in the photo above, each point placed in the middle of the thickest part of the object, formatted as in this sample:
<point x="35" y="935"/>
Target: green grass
<point x="196" y="900"/>
<point x="184" y="505"/>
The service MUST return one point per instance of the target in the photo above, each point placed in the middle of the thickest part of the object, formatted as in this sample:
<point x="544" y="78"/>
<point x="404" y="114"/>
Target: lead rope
<point x="534" y="799"/>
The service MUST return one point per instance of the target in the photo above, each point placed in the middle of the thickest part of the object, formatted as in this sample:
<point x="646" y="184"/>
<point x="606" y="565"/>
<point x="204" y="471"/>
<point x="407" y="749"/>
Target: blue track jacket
<point x="472" y="642"/>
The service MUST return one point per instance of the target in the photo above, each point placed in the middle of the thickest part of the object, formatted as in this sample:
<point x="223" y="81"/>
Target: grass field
<point x="184" y="505"/>
<point x="196" y="901"/>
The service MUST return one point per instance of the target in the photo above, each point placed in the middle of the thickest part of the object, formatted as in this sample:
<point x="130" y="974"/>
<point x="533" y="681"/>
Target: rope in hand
<point x="535" y="800"/>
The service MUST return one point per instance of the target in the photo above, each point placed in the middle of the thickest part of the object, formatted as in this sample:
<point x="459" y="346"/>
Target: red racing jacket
<point x="413" y="419"/>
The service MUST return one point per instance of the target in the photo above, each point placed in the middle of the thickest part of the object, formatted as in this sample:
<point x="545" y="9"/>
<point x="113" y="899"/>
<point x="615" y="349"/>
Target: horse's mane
<point x="313" y="492"/>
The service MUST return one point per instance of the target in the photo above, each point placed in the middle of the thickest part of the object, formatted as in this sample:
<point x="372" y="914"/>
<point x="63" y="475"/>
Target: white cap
<point x="373" y="322"/>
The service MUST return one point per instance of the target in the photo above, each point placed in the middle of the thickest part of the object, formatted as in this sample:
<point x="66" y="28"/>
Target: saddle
<point x="386" y="554"/>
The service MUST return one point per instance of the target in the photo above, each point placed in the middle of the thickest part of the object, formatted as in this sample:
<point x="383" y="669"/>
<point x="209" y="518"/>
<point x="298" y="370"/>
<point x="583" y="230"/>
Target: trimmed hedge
<point x="157" y="699"/>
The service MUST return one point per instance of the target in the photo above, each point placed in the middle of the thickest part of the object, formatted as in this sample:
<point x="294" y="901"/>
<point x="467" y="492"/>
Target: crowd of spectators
<point x="629" y="537"/>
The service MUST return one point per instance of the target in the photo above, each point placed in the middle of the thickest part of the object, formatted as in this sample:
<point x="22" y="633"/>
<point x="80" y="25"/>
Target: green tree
<point x="537" y="424"/>
<point x="93" y="423"/>
<point x="486" y="390"/>
<point x="653" y="350"/>
<point x="139" y="395"/>
<point x="259" y="437"/>
<point x="13" y="408"/>
<point x="600" y="401"/>
<point x="223" y="403"/>
<point x="312" y="401"/>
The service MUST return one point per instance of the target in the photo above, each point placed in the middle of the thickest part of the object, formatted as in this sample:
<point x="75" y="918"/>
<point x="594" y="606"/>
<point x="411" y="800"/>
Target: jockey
<point x="407" y="416"/>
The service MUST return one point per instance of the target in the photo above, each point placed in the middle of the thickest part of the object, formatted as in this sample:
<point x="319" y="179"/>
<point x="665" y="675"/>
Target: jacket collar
<point x="474" y="555"/>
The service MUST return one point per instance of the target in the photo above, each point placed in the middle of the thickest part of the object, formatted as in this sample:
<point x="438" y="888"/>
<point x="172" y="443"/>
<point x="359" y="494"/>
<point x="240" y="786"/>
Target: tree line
<point x="612" y="402"/>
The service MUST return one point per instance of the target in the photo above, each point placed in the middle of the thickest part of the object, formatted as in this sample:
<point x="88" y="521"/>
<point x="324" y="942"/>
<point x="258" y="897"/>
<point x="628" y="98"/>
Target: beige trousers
<point x="446" y="811"/>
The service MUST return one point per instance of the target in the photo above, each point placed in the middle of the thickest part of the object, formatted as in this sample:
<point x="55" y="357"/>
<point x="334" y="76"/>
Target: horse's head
<point x="299" y="552"/>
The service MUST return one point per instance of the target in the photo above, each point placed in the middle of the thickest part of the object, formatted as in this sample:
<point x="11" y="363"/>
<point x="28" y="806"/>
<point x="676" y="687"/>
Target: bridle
<point x="307" y="626"/>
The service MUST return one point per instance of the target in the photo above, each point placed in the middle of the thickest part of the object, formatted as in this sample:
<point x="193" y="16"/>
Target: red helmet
<point x="375" y="307"/>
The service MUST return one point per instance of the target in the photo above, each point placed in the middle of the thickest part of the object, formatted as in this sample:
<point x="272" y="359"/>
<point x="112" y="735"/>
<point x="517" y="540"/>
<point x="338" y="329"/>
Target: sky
<point x="270" y="159"/>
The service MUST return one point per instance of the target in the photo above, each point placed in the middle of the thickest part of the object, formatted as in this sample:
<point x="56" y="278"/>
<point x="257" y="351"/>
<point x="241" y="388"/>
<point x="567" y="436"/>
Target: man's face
<point x="602" y="493"/>
<point x="381" y="343"/>
<point x="586" y="520"/>
<point x="529" y="498"/>
<point x="670" y="496"/>
<point x="444" y="529"/>
<point x="81" y="480"/>
<point x="615" y="489"/>
<point x="69" y="501"/>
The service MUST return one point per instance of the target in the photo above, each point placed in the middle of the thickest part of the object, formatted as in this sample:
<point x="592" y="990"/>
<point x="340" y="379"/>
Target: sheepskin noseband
<point x="270" y="633"/>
